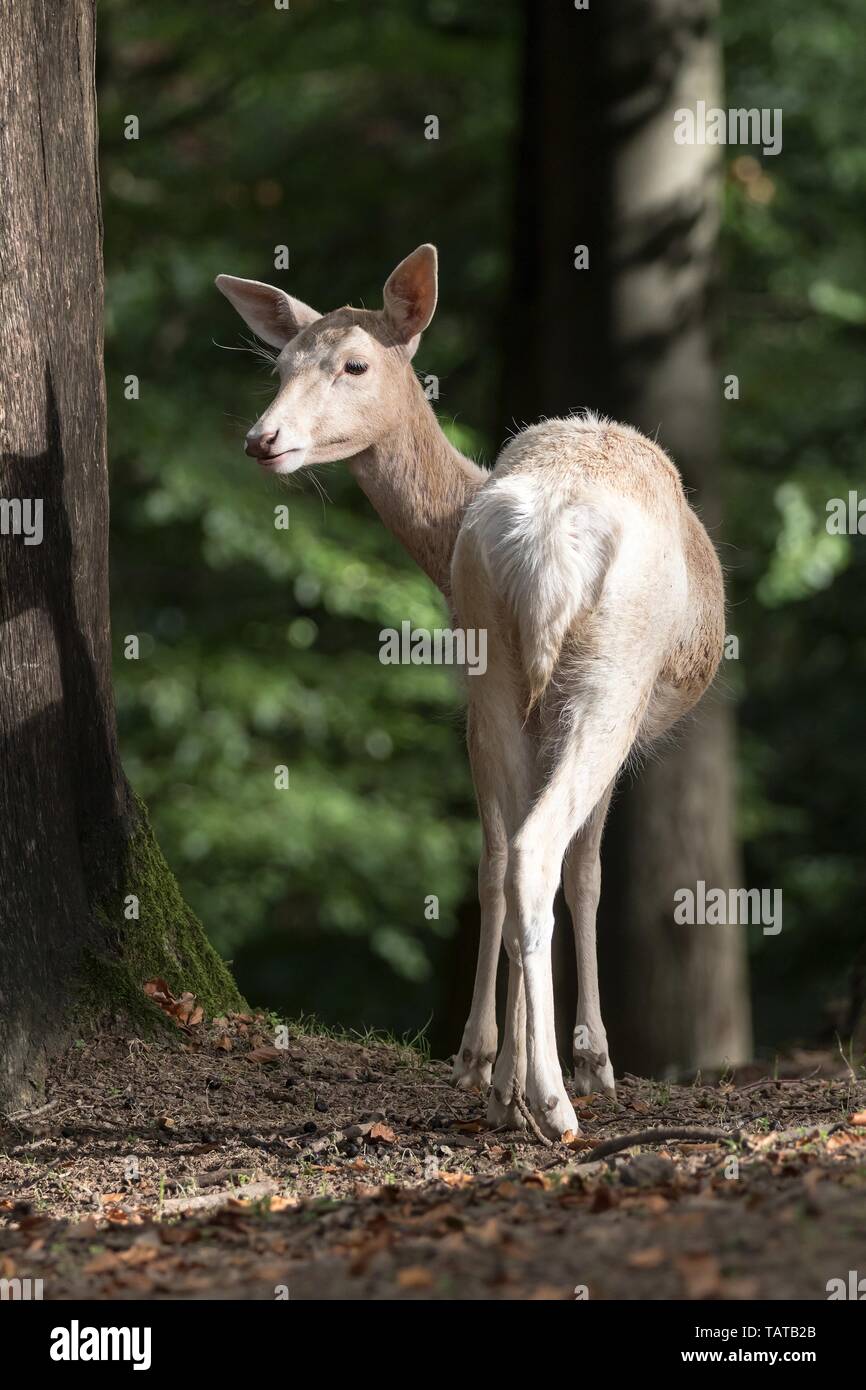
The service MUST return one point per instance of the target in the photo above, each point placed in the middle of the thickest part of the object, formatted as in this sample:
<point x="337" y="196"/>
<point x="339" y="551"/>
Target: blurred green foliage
<point x="261" y="128"/>
<point x="304" y="128"/>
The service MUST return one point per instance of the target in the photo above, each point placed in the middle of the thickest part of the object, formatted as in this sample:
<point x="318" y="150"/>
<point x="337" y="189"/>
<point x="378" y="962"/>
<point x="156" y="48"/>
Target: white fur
<point x="547" y="558"/>
<point x="581" y="538"/>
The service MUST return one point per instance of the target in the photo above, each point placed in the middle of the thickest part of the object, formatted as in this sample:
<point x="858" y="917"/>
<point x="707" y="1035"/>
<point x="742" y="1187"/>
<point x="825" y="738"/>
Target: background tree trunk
<point x="632" y="337"/>
<point x="74" y="842"/>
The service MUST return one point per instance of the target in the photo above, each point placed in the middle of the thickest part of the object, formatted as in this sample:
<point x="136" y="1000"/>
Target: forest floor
<point x="336" y="1168"/>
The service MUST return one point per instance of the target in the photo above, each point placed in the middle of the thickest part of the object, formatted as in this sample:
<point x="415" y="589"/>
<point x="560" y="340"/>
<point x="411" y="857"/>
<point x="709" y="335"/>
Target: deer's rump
<point x="580" y="534"/>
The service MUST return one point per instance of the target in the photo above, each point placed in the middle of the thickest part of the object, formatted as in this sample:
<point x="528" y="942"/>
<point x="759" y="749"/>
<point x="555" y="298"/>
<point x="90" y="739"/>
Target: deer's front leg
<point x="474" y="1060"/>
<point x="502" y="761"/>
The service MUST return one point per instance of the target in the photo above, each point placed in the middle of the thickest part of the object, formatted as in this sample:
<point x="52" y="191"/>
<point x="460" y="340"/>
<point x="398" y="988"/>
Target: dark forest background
<point x="306" y="128"/>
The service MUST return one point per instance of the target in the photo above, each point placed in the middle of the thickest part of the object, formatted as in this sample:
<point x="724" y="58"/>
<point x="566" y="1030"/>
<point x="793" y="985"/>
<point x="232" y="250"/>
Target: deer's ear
<point x="272" y="314"/>
<point x="410" y="294"/>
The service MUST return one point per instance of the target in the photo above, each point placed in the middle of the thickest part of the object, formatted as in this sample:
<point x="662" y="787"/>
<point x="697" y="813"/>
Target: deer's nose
<point x="260" y="445"/>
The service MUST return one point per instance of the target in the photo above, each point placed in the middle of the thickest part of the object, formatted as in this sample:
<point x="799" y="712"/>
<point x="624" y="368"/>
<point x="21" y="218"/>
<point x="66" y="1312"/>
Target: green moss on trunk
<point x="166" y="940"/>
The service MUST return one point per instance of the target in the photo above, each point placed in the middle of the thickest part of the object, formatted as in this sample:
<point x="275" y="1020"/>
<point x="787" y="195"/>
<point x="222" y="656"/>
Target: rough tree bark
<point x="74" y="840"/>
<point x="631" y="336"/>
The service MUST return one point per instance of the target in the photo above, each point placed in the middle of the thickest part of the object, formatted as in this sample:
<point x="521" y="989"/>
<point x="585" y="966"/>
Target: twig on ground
<point x="251" y="1192"/>
<point x="659" y="1136"/>
<point x="29" y="1114"/>
<point x="778" y="1081"/>
<point x="529" y="1118"/>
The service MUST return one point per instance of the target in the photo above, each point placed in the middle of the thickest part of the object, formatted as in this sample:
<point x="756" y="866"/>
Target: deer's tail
<point x="547" y="558"/>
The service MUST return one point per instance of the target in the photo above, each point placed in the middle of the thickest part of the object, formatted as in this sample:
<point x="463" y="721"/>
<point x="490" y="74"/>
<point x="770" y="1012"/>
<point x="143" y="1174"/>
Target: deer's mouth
<point x="286" y="462"/>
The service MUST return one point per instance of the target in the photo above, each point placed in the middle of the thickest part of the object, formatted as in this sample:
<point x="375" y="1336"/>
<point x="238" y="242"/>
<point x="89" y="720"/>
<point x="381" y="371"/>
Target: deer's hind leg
<point x="588" y="742"/>
<point x="593" y="1070"/>
<point x="581" y="879"/>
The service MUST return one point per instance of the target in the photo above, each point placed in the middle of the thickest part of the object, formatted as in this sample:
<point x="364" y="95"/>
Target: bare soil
<point x="339" y="1169"/>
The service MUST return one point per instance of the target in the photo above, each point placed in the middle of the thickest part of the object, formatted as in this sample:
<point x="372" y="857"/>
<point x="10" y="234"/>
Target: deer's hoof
<point x="473" y="1068"/>
<point x="502" y="1115"/>
<point x="555" y="1116"/>
<point x="593" y="1072"/>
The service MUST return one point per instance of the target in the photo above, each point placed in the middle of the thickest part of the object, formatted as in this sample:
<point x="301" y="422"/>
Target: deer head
<point x="344" y="376"/>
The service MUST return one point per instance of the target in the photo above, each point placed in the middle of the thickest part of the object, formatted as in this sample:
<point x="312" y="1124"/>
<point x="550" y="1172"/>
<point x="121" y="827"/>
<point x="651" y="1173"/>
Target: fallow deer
<point x="603" y="602"/>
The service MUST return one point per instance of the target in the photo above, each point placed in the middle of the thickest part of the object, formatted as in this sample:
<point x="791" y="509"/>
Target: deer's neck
<point x="421" y="486"/>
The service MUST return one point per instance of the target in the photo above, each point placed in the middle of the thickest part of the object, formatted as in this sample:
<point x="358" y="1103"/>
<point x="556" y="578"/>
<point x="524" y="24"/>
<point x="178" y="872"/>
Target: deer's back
<point x="584" y="452"/>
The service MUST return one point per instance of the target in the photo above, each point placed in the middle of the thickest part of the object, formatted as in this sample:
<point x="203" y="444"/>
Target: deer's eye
<point x="355" y="368"/>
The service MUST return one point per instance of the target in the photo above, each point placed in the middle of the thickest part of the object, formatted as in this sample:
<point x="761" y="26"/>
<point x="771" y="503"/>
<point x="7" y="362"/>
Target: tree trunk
<point x="75" y="844"/>
<point x="631" y="336"/>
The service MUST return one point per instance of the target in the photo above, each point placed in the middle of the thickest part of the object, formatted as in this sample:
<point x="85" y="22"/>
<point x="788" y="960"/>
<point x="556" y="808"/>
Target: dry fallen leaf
<point x="858" y="1119"/>
<point x="455" y="1179"/>
<point x="414" y="1277"/>
<point x="141" y="1253"/>
<point x="158" y="990"/>
<point x="179" y="1235"/>
<point x="382" y="1134"/>
<point x="842" y="1140"/>
<point x="283" y="1203"/>
<point x="101" y="1264"/>
<point x="265" y="1055"/>
<point x="432" y="1216"/>
<point x="185" y="1011"/>
<point x="649" y="1258"/>
<point x="183" y="1007"/>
